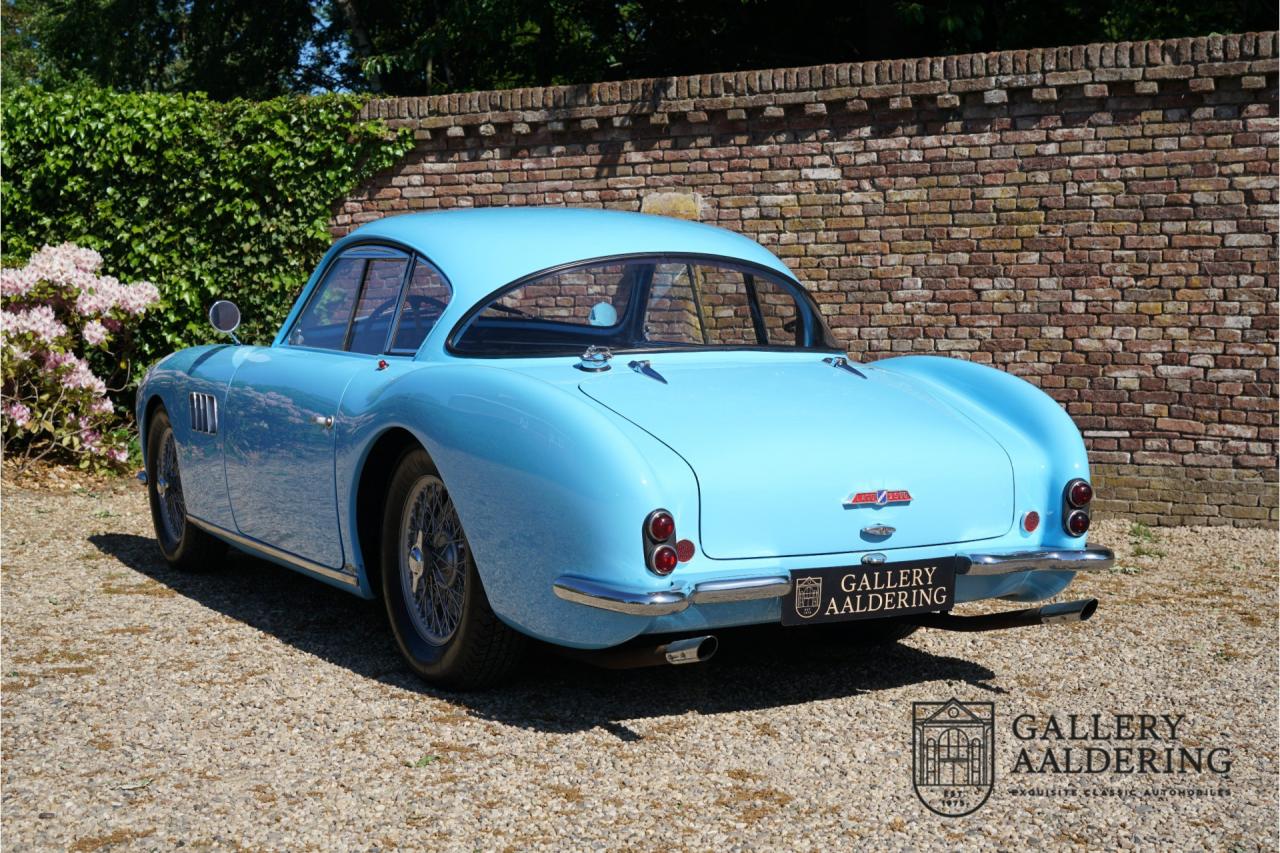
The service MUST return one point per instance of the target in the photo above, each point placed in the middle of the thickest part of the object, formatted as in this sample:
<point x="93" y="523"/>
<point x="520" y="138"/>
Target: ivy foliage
<point x="207" y="199"/>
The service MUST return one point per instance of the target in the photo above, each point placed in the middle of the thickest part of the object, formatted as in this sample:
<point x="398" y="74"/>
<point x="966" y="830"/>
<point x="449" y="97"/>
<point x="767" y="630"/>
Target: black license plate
<point x="846" y="593"/>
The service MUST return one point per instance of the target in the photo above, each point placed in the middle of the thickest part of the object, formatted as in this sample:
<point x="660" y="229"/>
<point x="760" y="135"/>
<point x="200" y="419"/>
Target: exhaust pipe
<point x="632" y="656"/>
<point x="1049" y="614"/>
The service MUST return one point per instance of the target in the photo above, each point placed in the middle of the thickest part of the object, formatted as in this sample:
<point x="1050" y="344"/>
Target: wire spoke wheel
<point x="433" y="561"/>
<point x="173" y="509"/>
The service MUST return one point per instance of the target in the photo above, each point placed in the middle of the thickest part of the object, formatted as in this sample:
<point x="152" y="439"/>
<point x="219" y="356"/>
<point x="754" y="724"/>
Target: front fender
<point x="1041" y="439"/>
<point x="205" y="369"/>
<point x="544" y="481"/>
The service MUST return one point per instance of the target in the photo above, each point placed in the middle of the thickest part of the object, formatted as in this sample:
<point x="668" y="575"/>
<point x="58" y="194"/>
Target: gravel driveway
<point x="253" y="708"/>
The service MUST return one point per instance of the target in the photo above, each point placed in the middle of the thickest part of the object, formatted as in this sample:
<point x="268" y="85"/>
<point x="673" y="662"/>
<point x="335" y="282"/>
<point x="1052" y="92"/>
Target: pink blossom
<point x="39" y="321"/>
<point x="94" y="333"/>
<point x="118" y="454"/>
<point x="18" y="413"/>
<point x="102" y="406"/>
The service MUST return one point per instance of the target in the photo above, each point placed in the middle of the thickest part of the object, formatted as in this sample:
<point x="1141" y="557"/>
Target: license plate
<point x="846" y="593"/>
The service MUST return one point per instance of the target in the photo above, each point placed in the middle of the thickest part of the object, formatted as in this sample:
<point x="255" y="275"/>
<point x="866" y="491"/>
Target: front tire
<point x="183" y="545"/>
<point x="439" y="613"/>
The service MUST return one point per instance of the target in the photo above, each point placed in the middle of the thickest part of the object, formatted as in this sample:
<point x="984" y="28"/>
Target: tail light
<point x="663" y="560"/>
<point x="662" y="553"/>
<point x="1079" y="493"/>
<point x="1078" y="523"/>
<point x="660" y="526"/>
<point x="1075" y="517"/>
<point x="1030" y="521"/>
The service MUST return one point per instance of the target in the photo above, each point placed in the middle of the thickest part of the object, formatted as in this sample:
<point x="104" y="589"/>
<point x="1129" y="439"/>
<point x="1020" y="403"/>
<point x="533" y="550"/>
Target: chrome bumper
<point x="663" y="602"/>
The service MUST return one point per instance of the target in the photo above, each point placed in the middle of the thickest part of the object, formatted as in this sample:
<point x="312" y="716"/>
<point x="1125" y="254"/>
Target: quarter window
<point x="383" y="279"/>
<point x="425" y="299"/>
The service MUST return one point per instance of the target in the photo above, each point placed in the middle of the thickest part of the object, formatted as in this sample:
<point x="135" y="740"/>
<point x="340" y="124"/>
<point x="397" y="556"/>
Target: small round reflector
<point x="1030" y="521"/>
<point x="685" y="550"/>
<point x="1079" y="493"/>
<point x="1078" y="523"/>
<point x="664" y="560"/>
<point x="661" y="526"/>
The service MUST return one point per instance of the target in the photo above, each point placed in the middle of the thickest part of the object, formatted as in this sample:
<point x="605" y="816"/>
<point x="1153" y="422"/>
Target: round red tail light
<point x="664" y="559"/>
<point x="1078" y="523"/>
<point x="685" y="550"/>
<point x="661" y="526"/>
<point x="1079" y="493"/>
<point x="1030" y="521"/>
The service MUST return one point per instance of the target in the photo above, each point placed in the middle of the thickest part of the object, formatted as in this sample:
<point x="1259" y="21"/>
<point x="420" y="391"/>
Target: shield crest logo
<point x="953" y="755"/>
<point x="808" y="597"/>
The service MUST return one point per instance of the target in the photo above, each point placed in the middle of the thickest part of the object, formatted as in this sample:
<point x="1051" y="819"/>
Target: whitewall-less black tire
<point x="183" y="545"/>
<point x="439" y="613"/>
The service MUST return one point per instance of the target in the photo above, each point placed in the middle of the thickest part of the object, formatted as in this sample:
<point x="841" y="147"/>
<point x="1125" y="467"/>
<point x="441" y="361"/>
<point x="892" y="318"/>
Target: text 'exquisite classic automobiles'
<point x="610" y="432"/>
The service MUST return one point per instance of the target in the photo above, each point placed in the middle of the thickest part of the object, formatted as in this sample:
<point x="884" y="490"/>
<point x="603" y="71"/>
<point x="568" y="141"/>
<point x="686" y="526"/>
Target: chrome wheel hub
<point x="433" y="561"/>
<point x="173" y="509"/>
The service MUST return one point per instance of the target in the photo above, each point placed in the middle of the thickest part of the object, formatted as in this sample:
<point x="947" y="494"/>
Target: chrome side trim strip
<point x="594" y="594"/>
<point x="275" y="553"/>
<point x="1088" y="559"/>
<point x="741" y="589"/>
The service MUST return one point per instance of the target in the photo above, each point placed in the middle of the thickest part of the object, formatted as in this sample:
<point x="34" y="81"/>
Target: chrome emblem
<point x="879" y="530"/>
<point x="808" y="597"/>
<point x="883" y="497"/>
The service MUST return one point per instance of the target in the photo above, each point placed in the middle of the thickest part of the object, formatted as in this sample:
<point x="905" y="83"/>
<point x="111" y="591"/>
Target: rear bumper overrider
<point x="592" y="593"/>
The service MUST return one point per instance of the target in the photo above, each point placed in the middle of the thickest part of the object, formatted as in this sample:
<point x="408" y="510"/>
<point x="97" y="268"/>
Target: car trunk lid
<point x="780" y="447"/>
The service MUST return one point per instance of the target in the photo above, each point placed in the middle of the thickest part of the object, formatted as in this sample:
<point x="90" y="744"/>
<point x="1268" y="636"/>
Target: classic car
<point x="611" y="432"/>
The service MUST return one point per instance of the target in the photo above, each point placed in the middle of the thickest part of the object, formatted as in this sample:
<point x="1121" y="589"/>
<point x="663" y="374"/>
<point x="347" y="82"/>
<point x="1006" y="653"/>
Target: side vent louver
<point x="204" y="413"/>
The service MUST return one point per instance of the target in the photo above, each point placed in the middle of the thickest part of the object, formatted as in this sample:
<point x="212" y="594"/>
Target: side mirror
<point x="225" y="317"/>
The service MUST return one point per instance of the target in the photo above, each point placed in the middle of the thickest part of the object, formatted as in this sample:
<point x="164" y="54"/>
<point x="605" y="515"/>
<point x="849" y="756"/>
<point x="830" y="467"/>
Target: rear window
<point x="645" y="303"/>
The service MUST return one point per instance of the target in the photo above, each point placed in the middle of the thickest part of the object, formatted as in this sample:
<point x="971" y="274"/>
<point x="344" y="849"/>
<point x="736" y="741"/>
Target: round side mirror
<point x="224" y="316"/>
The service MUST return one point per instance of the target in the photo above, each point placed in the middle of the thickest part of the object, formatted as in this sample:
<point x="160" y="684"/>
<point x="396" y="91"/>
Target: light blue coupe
<point x="610" y="432"/>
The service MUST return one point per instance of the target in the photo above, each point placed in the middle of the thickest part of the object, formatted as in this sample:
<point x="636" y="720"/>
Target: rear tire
<point x="183" y="545"/>
<point x="439" y="613"/>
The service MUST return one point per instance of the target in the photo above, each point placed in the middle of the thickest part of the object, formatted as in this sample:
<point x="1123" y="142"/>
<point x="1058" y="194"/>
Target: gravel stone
<point x="251" y="707"/>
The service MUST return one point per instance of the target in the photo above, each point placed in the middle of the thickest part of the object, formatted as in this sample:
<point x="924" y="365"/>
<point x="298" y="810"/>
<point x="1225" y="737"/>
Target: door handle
<point x="325" y="421"/>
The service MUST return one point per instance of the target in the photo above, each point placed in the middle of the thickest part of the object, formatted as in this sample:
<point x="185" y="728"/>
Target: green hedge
<point x="205" y="199"/>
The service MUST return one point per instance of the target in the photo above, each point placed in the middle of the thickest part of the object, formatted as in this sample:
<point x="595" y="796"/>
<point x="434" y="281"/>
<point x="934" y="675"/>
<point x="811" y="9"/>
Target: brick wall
<point x="1100" y="220"/>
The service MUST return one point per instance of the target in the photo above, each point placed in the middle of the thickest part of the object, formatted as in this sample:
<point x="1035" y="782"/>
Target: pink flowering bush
<point x="58" y="318"/>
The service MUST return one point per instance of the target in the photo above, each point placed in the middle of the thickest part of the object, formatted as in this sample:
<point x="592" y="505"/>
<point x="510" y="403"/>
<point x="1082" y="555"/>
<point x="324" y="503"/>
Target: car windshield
<point x="645" y="303"/>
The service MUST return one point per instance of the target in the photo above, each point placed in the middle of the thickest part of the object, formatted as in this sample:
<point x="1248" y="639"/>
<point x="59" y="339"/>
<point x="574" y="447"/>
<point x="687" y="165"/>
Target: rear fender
<point x="1039" y="436"/>
<point x="545" y="482"/>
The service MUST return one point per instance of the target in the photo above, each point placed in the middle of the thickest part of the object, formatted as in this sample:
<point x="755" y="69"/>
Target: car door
<point x="283" y="403"/>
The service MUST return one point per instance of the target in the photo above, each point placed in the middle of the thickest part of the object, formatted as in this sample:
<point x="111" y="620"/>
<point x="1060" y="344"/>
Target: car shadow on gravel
<point x="756" y="668"/>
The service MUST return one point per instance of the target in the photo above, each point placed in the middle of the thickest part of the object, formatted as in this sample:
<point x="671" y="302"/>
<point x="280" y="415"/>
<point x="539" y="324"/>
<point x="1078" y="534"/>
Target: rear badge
<point x="883" y="497"/>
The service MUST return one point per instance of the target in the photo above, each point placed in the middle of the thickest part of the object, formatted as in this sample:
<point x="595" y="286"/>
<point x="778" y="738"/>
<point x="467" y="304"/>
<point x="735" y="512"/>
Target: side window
<point x="425" y="299"/>
<point x="377" y="308"/>
<point x="323" y="322"/>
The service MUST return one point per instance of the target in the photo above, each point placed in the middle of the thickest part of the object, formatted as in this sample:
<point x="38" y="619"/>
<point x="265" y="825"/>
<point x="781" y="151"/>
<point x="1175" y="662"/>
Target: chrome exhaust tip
<point x="1068" y="611"/>
<point x="692" y="650"/>
<point x="634" y="655"/>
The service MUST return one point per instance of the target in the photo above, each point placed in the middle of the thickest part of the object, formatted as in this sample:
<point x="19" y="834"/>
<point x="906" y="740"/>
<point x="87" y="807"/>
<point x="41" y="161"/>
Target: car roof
<point x="481" y="249"/>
